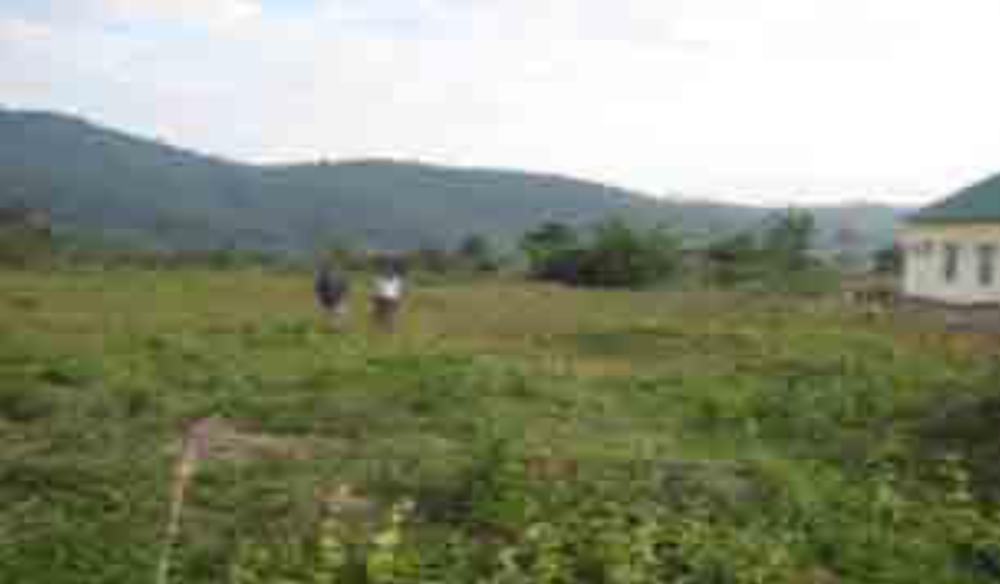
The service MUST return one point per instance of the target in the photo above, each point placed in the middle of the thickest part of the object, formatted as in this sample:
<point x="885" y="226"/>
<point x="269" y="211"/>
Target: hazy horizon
<point x="751" y="101"/>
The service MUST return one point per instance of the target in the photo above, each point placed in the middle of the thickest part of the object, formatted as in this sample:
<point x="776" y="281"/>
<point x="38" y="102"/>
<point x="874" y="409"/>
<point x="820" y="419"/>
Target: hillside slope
<point x="97" y="180"/>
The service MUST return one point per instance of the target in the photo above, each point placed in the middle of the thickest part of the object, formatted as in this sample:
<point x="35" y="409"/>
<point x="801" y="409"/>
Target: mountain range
<point x="97" y="181"/>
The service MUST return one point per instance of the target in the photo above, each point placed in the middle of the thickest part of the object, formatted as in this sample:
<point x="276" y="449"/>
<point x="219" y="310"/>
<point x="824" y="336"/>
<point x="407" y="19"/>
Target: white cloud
<point x="768" y="99"/>
<point x="198" y="13"/>
<point x="16" y="32"/>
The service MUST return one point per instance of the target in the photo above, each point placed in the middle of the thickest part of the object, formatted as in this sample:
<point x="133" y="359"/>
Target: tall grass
<point x="542" y="434"/>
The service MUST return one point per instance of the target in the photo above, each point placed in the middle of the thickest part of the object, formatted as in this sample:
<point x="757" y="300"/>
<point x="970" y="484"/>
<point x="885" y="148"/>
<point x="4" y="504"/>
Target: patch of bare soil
<point x="222" y="440"/>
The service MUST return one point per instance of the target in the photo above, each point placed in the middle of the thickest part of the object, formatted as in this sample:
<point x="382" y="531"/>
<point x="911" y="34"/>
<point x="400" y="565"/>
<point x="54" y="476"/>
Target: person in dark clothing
<point x="332" y="292"/>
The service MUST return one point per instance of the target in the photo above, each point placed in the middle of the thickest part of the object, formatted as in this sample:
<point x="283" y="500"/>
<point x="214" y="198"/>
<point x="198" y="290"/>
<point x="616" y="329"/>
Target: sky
<point x="757" y="101"/>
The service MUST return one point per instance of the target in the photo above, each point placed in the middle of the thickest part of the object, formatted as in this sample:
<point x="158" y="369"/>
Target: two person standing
<point x="332" y="292"/>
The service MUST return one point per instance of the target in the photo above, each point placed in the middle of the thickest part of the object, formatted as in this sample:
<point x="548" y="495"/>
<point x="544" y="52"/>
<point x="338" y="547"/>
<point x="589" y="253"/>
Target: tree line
<point x="612" y="254"/>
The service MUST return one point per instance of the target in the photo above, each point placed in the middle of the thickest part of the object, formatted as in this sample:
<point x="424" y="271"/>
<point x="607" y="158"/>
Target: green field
<point x="543" y="435"/>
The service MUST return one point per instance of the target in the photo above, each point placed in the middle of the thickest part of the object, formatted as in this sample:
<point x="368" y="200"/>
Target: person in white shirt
<point x="387" y="295"/>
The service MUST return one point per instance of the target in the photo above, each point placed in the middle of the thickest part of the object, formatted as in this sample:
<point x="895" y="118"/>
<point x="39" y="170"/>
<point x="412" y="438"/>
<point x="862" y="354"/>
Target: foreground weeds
<point x="506" y="433"/>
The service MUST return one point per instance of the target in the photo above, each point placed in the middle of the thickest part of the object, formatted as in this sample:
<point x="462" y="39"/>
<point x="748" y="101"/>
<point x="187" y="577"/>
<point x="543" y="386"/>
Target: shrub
<point x="788" y="239"/>
<point x="776" y="258"/>
<point x="617" y="256"/>
<point x="476" y="253"/>
<point x="21" y="247"/>
<point x="888" y="260"/>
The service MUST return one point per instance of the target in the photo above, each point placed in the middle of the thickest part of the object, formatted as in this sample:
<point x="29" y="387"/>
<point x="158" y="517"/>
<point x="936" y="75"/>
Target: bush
<point x="778" y="258"/>
<point x="476" y="253"/>
<point x="788" y="239"/>
<point x="21" y="247"/>
<point x="888" y="260"/>
<point x="432" y="260"/>
<point x="617" y="256"/>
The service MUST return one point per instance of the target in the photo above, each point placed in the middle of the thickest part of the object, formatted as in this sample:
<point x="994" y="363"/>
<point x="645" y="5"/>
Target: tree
<point x="623" y="257"/>
<point x="616" y="256"/>
<point x="789" y="238"/>
<point x="734" y="259"/>
<point x="888" y="260"/>
<point x="546" y="245"/>
<point x="344" y="255"/>
<point x="476" y="252"/>
<point x="551" y="235"/>
<point x="26" y="237"/>
<point x="739" y="248"/>
<point x="431" y="259"/>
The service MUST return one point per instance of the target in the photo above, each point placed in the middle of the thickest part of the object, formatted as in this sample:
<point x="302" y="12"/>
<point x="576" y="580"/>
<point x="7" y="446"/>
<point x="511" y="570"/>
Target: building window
<point x="951" y="256"/>
<point x="987" y="264"/>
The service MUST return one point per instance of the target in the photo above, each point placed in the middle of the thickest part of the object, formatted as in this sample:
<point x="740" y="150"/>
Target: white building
<point x="951" y="248"/>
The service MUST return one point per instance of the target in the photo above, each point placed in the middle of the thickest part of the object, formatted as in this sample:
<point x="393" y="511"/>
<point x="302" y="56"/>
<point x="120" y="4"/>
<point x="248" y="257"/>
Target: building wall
<point x="924" y="274"/>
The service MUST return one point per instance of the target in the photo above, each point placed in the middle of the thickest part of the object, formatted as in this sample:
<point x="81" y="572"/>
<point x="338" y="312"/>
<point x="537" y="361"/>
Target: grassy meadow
<point x="506" y="432"/>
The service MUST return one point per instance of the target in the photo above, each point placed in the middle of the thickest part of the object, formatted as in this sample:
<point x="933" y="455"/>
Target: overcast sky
<point x="771" y="101"/>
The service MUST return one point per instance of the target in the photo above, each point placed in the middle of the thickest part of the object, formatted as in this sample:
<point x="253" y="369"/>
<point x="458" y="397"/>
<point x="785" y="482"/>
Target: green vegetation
<point x="478" y="254"/>
<point x="788" y="241"/>
<point x="614" y="256"/>
<point x="154" y="196"/>
<point x="25" y="238"/>
<point x="778" y="257"/>
<point x="23" y="247"/>
<point x="889" y="260"/>
<point x="508" y="432"/>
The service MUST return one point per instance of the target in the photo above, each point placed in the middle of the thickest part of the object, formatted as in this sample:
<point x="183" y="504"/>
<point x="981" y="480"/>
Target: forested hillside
<point x="98" y="181"/>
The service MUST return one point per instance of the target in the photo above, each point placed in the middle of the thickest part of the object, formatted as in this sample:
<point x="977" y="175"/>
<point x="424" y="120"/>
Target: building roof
<point x="976" y="204"/>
